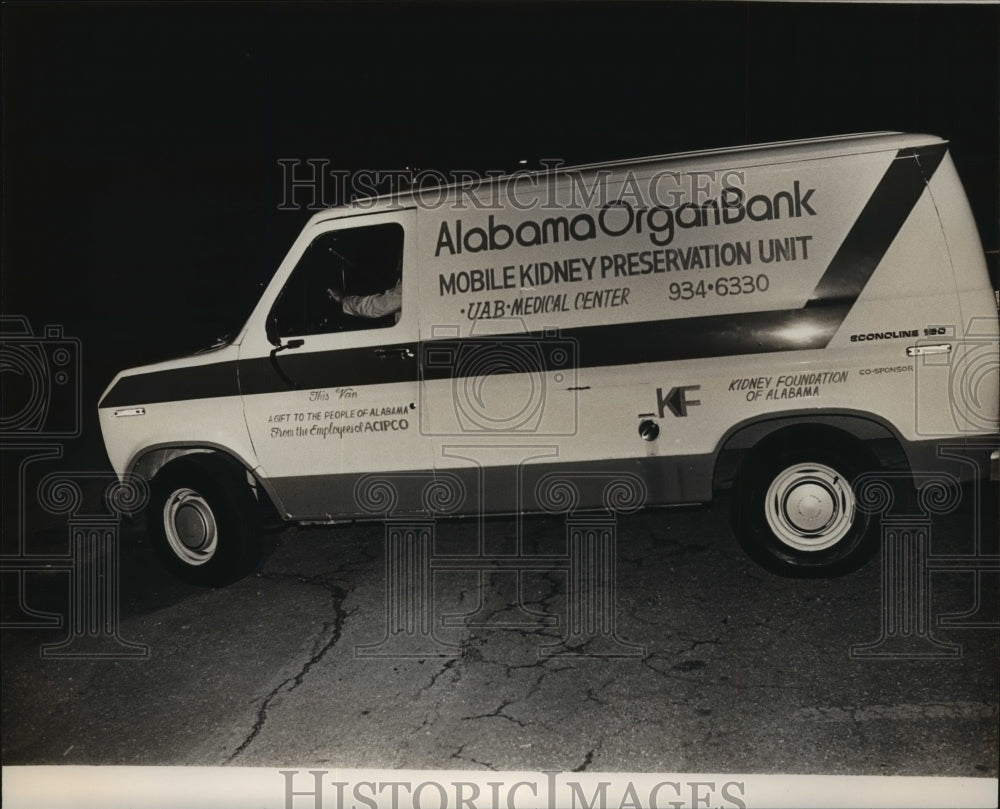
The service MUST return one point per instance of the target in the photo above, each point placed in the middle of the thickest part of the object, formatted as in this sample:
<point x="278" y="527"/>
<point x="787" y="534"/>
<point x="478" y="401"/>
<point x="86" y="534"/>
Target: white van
<point x="783" y="317"/>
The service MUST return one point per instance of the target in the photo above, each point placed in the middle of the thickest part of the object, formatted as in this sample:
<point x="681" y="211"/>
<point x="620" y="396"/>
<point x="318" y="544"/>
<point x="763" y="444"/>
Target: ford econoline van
<point x="780" y="318"/>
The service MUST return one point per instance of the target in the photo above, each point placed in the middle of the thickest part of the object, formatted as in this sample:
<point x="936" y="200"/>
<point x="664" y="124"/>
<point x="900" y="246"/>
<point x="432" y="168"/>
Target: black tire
<point x="795" y="509"/>
<point x="204" y="520"/>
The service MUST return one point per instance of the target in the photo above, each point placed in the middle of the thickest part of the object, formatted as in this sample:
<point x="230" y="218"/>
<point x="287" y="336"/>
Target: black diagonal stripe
<point x="588" y="347"/>
<point x="809" y="327"/>
<point x="175" y="384"/>
<point x="631" y="343"/>
<point x="877" y="226"/>
<point x="348" y="367"/>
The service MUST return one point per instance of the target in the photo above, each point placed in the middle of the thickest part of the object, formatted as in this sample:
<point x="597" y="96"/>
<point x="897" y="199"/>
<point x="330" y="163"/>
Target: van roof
<point x="708" y="159"/>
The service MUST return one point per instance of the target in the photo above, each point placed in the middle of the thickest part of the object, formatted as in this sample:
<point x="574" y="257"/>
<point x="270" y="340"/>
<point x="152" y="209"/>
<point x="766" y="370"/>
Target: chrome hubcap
<point x="190" y="527"/>
<point x="810" y="507"/>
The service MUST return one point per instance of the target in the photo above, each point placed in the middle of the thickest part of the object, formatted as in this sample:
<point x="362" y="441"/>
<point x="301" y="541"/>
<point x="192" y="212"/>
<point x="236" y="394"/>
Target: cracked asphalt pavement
<point x="714" y="664"/>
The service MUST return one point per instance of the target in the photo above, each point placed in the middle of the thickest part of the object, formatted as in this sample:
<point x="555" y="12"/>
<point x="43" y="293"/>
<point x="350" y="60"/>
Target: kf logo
<point x="676" y="400"/>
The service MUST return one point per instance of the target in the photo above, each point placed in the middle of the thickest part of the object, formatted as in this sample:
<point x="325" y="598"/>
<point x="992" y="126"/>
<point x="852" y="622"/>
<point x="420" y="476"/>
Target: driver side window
<point x="346" y="280"/>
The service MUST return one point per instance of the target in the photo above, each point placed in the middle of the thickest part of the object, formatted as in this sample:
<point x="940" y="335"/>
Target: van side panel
<point x="588" y="328"/>
<point x="972" y="372"/>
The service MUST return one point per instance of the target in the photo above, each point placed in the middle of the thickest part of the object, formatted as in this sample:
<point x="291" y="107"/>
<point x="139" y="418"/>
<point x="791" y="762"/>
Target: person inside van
<point x="373" y="306"/>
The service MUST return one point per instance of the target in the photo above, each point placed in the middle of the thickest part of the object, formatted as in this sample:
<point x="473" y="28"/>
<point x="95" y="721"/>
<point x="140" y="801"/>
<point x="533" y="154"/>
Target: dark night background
<point x="140" y="142"/>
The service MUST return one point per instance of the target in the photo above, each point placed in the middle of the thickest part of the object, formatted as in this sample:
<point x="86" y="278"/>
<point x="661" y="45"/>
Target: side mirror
<point x="298" y="343"/>
<point x="271" y="329"/>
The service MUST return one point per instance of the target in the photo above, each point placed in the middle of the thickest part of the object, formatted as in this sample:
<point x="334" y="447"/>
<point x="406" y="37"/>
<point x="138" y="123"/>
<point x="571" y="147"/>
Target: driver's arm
<point x="373" y="306"/>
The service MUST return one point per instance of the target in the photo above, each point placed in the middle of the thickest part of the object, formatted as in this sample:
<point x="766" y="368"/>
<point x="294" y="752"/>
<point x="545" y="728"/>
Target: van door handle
<point x="401" y="352"/>
<point x="914" y="351"/>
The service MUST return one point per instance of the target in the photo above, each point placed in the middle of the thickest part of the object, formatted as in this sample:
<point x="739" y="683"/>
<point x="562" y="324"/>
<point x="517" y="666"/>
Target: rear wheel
<point x="204" y="520"/>
<point x="795" y="509"/>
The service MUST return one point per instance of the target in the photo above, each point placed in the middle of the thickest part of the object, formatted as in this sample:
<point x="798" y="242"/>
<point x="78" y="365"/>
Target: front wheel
<point x="795" y="509"/>
<point x="204" y="520"/>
